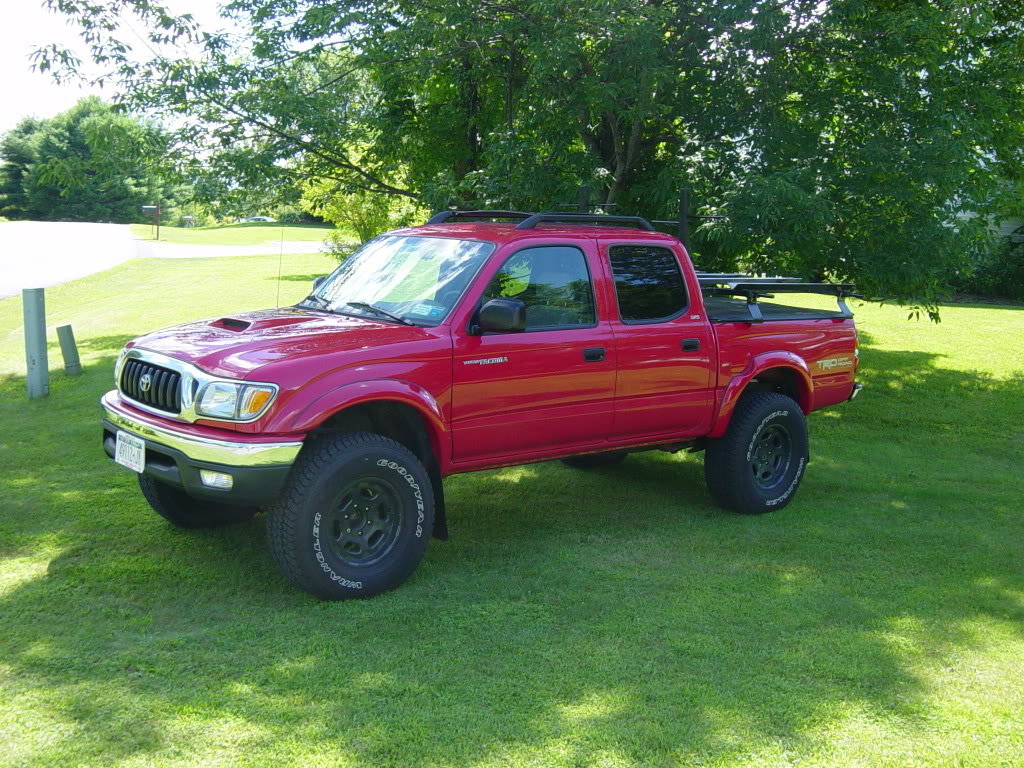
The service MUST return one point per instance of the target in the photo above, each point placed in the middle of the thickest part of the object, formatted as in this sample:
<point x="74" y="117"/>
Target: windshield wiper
<point x="377" y="310"/>
<point x="326" y="303"/>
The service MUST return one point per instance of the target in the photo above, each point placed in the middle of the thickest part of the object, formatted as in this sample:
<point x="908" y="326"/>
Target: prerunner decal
<point x="486" y="361"/>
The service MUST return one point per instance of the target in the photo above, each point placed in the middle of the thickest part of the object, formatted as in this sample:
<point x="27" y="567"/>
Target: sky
<point x="27" y="26"/>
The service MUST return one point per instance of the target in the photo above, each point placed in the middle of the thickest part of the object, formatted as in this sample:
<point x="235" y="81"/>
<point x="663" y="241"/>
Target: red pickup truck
<point x="482" y="339"/>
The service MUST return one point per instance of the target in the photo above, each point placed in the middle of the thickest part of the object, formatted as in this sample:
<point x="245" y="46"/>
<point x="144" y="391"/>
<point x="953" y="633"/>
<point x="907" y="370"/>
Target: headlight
<point x="234" y="401"/>
<point x="121" y="357"/>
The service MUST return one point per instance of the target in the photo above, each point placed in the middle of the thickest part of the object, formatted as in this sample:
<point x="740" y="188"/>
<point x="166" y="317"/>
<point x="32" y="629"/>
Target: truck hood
<point x="236" y="345"/>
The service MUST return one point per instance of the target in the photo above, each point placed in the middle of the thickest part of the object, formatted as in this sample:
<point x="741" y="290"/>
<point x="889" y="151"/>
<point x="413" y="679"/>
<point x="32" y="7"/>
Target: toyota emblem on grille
<point x="145" y="382"/>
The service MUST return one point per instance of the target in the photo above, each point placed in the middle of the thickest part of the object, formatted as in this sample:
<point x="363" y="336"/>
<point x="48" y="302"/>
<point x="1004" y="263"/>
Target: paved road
<point x="37" y="254"/>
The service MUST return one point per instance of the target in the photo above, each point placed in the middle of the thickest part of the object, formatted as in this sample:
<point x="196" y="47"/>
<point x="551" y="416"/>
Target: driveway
<point x="36" y="254"/>
<point x="147" y="249"/>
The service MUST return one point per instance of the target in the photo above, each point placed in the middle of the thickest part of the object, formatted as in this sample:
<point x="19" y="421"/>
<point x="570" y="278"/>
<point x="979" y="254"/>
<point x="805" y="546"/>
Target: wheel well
<point x="785" y="381"/>
<point x="403" y="424"/>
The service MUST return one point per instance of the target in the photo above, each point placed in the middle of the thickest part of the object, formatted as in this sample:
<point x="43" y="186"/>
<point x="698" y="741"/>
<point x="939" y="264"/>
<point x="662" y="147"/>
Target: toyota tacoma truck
<point x="481" y="339"/>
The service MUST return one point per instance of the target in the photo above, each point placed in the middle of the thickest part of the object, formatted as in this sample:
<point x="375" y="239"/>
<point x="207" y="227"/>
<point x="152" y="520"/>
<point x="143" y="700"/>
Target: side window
<point x="648" y="283"/>
<point x="554" y="284"/>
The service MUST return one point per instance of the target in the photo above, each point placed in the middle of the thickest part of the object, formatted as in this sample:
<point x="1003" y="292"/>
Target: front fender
<point x="394" y="390"/>
<point x="758" y="364"/>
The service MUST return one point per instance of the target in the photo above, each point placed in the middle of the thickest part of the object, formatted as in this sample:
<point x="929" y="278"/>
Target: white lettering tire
<point x="355" y="517"/>
<point x="758" y="464"/>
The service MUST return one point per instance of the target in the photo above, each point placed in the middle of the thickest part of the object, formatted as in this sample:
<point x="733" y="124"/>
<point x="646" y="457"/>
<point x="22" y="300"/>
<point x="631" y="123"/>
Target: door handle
<point x="593" y="354"/>
<point x="691" y="345"/>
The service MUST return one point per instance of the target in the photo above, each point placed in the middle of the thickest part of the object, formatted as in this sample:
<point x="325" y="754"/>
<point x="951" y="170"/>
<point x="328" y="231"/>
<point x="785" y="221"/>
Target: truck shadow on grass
<point x="575" y="617"/>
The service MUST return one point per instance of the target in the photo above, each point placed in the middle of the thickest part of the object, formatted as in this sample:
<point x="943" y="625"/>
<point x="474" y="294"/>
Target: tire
<point x="180" y="509"/>
<point x="595" y="460"/>
<point x="338" y="483"/>
<point x="757" y="465"/>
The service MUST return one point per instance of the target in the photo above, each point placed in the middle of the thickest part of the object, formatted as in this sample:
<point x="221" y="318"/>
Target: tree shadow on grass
<point x="99" y="343"/>
<point x="575" y="617"/>
<point x="300" y="278"/>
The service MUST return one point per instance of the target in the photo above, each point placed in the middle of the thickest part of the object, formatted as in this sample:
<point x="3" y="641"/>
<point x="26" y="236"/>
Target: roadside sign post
<point x="37" y="377"/>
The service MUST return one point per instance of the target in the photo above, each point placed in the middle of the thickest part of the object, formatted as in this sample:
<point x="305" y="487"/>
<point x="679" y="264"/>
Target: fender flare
<point x="758" y="364"/>
<point x="380" y="390"/>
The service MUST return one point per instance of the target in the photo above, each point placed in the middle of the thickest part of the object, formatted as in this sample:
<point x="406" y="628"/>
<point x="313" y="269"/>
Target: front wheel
<point x="757" y="465"/>
<point x="355" y="517"/>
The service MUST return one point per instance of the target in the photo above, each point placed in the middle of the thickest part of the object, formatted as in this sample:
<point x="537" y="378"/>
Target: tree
<point x="19" y="151"/>
<point x="90" y="163"/>
<point x="840" y="138"/>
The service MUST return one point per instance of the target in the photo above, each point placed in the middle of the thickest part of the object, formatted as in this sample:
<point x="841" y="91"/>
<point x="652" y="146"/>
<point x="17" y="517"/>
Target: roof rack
<point x="729" y="279"/>
<point x="443" y="216"/>
<point x="586" y="218"/>
<point x="754" y="288"/>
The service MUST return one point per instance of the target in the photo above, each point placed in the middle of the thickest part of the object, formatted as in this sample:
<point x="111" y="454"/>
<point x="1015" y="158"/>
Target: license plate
<point x="130" y="452"/>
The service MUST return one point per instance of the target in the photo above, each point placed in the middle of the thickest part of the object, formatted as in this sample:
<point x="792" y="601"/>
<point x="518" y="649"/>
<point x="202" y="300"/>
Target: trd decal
<point x="835" y="362"/>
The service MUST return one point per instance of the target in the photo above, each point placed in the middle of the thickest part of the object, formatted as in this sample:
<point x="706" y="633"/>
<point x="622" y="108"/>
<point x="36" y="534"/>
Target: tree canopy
<point x="89" y="163"/>
<point x="869" y="140"/>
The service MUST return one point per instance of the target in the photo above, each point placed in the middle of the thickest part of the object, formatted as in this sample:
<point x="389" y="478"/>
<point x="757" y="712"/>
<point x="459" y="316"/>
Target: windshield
<point x="401" y="278"/>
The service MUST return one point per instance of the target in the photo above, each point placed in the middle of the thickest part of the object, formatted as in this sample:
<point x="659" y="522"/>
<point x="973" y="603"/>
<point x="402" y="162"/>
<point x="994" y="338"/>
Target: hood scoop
<point x="231" y="324"/>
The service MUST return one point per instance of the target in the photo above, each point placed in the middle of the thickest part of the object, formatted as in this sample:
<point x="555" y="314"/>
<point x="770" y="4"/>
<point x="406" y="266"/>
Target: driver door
<point x="548" y="387"/>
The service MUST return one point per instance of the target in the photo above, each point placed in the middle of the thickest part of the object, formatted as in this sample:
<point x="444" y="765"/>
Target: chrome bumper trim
<point x="857" y="387"/>
<point x="227" y="452"/>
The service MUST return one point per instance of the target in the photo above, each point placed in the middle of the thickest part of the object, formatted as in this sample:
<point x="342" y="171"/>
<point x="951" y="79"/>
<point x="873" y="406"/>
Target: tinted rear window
<point x="648" y="283"/>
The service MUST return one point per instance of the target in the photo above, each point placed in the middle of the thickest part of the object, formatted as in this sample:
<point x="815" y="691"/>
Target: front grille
<point x="163" y="392"/>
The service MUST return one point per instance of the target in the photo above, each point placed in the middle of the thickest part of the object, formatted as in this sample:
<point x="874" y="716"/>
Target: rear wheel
<point x="355" y="517"/>
<point x="757" y="465"/>
<point x="177" y="507"/>
<point x="595" y="460"/>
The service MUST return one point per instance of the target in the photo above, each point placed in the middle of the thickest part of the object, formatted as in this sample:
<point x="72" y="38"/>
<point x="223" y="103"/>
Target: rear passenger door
<point x="548" y="387"/>
<point x="664" y="349"/>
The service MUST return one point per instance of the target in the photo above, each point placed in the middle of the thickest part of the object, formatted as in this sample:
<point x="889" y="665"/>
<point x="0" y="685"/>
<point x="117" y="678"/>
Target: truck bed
<point x="726" y="309"/>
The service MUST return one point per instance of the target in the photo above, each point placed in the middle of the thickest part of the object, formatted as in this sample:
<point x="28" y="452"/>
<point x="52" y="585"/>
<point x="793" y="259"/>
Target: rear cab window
<point x="649" y="284"/>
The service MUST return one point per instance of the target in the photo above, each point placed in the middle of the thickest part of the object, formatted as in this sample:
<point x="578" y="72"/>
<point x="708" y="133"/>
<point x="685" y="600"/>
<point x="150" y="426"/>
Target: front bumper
<point x="258" y="468"/>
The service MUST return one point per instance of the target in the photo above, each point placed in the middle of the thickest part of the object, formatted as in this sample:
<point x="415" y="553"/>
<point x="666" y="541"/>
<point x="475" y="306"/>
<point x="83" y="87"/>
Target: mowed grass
<point x="608" y="618"/>
<point x="252" y="233"/>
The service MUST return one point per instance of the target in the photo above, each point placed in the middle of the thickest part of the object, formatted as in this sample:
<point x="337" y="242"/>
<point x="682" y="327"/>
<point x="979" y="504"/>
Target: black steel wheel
<point x="757" y="465"/>
<point x="365" y="524"/>
<point x="770" y="459"/>
<point x="355" y="517"/>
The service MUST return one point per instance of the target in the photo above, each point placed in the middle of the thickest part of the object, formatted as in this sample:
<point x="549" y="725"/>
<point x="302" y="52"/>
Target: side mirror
<point x="502" y="316"/>
<point x="318" y="280"/>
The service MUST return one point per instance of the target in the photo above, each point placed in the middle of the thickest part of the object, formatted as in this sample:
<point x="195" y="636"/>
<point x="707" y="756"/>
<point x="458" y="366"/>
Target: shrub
<point x="998" y="274"/>
<point x="357" y="212"/>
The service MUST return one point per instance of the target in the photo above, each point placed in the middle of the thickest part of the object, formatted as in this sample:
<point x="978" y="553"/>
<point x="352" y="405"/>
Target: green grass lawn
<point x="610" y="618"/>
<point x="254" y="233"/>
